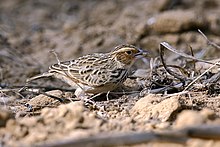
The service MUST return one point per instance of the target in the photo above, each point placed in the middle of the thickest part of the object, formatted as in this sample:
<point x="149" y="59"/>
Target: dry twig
<point x="174" y="136"/>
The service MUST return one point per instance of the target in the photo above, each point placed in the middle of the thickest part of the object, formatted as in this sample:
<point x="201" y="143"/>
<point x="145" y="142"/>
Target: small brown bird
<point x="98" y="72"/>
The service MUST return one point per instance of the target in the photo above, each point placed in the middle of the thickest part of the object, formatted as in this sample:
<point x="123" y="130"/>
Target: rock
<point x="43" y="100"/>
<point x="35" y="135"/>
<point x="69" y="116"/>
<point x="208" y="114"/>
<point x="15" y="129"/>
<point x="203" y="142"/>
<point x="189" y="118"/>
<point x="53" y="123"/>
<point x="5" y="115"/>
<point x="29" y="121"/>
<point x="71" y="111"/>
<point x="163" y="111"/>
<point x="176" y="21"/>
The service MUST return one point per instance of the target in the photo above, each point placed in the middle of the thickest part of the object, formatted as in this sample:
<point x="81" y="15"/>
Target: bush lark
<point x="96" y="73"/>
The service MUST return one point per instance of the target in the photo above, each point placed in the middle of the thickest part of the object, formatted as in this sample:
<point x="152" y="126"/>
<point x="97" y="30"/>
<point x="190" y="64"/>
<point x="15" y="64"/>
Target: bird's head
<point x="127" y="54"/>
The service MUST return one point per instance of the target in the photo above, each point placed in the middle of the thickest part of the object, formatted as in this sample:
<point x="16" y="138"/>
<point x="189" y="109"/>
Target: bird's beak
<point x="141" y="53"/>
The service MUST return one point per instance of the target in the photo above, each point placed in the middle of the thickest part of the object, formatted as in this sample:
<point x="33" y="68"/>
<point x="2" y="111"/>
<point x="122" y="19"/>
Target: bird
<point x="98" y="72"/>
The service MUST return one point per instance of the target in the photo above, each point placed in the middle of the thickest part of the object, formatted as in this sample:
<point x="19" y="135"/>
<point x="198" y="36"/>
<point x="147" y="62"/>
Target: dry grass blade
<point x="208" y="41"/>
<point x="181" y="78"/>
<point x="165" y="45"/>
<point x="197" y="78"/>
<point x="56" y="56"/>
<point x="169" y="47"/>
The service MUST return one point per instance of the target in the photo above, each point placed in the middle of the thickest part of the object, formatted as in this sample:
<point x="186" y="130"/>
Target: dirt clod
<point x="155" y="108"/>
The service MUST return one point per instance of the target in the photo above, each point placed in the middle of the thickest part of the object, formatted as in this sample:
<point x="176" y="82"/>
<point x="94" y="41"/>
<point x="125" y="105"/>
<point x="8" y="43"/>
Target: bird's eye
<point x="129" y="52"/>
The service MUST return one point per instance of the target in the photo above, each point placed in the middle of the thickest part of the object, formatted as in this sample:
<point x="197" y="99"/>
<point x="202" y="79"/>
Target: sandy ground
<point x="30" y="29"/>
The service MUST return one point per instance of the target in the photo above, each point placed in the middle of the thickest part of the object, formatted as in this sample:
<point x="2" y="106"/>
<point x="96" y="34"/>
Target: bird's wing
<point x="89" y="70"/>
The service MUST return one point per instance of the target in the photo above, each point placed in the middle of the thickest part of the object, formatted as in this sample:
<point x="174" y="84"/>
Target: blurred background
<point x="30" y="29"/>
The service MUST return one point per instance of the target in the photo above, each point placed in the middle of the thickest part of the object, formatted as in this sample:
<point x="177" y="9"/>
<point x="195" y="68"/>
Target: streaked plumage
<point x="98" y="72"/>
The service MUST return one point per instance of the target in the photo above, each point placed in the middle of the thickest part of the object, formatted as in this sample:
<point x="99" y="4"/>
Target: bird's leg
<point x="80" y="93"/>
<point x="95" y="96"/>
<point x="107" y="95"/>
